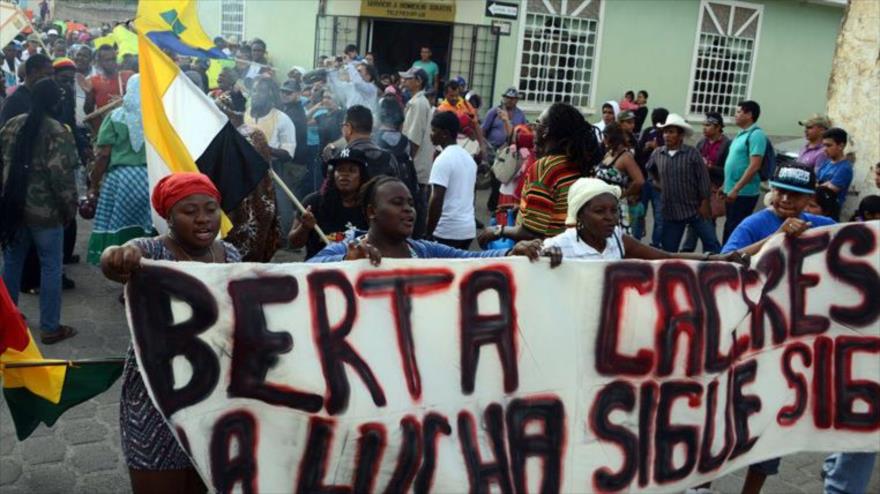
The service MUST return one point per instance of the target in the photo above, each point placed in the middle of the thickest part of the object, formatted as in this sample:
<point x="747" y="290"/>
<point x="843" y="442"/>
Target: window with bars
<point x="473" y="57"/>
<point x="334" y="33"/>
<point x="232" y="18"/>
<point x="724" y="56"/>
<point x="558" y="52"/>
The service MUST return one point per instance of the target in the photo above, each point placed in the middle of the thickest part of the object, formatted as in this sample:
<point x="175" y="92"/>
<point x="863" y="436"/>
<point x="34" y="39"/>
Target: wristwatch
<point x="499" y="231"/>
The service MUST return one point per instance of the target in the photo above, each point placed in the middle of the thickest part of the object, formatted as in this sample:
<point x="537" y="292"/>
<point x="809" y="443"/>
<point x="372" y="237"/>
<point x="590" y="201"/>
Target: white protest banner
<point x="478" y="375"/>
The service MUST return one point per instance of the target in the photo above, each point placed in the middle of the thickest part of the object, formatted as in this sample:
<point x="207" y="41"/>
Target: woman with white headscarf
<point x="610" y="109"/>
<point x="119" y="180"/>
<point x="594" y="232"/>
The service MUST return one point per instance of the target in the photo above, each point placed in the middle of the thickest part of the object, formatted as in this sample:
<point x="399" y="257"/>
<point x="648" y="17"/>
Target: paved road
<point x="81" y="453"/>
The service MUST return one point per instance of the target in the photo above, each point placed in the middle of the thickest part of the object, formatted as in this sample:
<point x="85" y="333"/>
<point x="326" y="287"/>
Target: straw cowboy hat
<point x="676" y="120"/>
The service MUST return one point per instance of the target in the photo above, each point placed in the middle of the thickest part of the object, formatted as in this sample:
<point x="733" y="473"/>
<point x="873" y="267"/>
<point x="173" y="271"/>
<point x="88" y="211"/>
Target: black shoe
<point x="67" y="283"/>
<point x="63" y="333"/>
<point x="74" y="259"/>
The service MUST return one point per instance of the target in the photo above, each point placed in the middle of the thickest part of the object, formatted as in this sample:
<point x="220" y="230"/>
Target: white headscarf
<point x="601" y="123"/>
<point x="130" y="113"/>
<point x="582" y="191"/>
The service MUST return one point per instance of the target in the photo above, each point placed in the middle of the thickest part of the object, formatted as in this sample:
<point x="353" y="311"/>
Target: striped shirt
<point x="544" y="204"/>
<point x="684" y="179"/>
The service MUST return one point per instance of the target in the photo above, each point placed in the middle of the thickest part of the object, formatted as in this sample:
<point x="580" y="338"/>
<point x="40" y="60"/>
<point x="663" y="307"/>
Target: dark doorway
<point x="396" y="44"/>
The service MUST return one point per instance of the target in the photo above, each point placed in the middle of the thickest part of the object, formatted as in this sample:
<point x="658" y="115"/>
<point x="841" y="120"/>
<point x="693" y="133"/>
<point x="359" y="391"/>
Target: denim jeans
<point x="737" y="211"/>
<point x="49" y="243"/>
<point x="689" y="244"/>
<point x="705" y="229"/>
<point x="848" y="473"/>
<point x="650" y="194"/>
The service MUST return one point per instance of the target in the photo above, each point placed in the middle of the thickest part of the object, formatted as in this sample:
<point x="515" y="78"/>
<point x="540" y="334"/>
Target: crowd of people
<point x="387" y="166"/>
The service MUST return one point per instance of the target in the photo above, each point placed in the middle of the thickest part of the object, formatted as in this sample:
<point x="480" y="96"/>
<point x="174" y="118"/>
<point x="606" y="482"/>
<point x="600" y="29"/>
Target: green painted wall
<point x="794" y="63"/>
<point x="646" y="44"/>
<point x="649" y="44"/>
<point x="287" y="27"/>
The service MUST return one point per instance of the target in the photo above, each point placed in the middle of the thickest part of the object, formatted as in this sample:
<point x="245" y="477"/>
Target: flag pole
<point x="66" y="363"/>
<point x="104" y="109"/>
<point x="298" y="204"/>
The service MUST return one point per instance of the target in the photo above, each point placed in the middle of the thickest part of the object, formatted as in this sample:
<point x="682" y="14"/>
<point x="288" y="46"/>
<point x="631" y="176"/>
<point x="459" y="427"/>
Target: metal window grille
<point x="334" y="33"/>
<point x="232" y="18"/>
<point x="559" y="52"/>
<point x="473" y="57"/>
<point x="724" y="57"/>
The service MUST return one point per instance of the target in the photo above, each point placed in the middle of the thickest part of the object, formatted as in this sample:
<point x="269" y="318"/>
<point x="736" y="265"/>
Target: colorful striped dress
<point x="544" y="203"/>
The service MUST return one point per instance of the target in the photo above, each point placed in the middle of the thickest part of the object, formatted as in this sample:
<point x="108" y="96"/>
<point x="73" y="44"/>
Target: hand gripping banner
<point x="456" y="376"/>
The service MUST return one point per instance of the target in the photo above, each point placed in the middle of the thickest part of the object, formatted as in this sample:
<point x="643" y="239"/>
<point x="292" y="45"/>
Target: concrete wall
<point x="854" y="94"/>
<point x="91" y="13"/>
<point x="794" y="62"/>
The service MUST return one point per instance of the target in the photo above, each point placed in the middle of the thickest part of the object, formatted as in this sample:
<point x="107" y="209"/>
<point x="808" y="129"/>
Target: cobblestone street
<point x="82" y="453"/>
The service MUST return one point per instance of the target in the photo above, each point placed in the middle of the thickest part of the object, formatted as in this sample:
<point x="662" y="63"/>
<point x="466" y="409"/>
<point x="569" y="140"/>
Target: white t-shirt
<point x="455" y="169"/>
<point x="574" y="248"/>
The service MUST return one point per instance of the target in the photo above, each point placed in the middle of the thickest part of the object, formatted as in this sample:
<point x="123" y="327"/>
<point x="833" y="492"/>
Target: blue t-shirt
<point x="840" y="175"/>
<point x="738" y="160"/>
<point x="493" y="126"/>
<point x="761" y="225"/>
<point x="312" y="137"/>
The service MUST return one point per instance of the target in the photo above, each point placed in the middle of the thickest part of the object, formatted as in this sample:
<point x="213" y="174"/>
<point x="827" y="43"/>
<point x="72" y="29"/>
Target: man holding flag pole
<point x="184" y="130"/>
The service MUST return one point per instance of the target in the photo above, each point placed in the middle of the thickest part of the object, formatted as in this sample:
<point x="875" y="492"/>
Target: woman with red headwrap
<point x="190" y="203"/>
<point x="521" y="149"/>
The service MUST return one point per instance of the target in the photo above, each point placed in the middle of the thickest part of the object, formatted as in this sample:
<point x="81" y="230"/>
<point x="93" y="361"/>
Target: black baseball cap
<point x="291" y="86"/>
<point x="796" y="177"/>
<point x="349" y="155"/>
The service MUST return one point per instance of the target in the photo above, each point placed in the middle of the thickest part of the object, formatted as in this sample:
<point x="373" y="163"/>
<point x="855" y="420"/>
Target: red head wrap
<point x="525" y="138"/>
<point x="172" y="188"/>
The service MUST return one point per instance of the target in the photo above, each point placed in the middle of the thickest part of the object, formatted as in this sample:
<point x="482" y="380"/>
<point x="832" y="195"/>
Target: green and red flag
<point x="37" y="389"/>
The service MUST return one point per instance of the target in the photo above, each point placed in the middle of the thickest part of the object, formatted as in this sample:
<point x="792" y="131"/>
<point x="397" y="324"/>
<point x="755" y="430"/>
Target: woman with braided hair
<point x="567" y="150"/>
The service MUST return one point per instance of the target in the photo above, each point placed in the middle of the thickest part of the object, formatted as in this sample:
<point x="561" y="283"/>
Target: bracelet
<point x="501" y="232"/>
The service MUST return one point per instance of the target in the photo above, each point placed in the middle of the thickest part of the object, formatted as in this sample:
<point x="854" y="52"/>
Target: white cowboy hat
<point x="676" y="120"/>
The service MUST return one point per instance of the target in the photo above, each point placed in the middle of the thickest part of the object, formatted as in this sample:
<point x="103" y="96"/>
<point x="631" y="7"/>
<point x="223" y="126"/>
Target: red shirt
<point x="710" y="151"/>
<point x="106" y="88"/>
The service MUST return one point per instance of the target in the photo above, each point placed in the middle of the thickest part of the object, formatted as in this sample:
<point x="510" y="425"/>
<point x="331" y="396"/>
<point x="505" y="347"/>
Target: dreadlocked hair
<point x="368" y="190"/>
<point x="46" y="96"/>
<point x="572" y="136"/>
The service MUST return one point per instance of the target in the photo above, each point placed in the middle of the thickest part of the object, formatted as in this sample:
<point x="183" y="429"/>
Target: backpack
<point x="768" y="163"/>
<point x="405" y="166"/>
